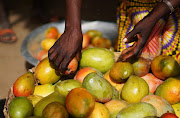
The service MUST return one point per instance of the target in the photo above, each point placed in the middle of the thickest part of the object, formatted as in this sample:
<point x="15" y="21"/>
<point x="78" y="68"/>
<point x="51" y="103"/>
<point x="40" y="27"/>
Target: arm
<point x="70" y="43"/>
<point x="143" y="28"/>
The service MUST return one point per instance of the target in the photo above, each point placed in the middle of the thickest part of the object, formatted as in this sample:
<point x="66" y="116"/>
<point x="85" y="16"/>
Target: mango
<point x="134" y="89"/>
<point x="176" y="108"/>
<point x="101" y="42"/>
<point x="99" y="87"/>
<point x="47" y="43"/>
<point x="39" y="107"/>
<point x="138" y="110"/>
<point x="64" y="87"/>
<point x="115" y="93"/>
<point x="117" y="85"/>
<point x="20" y="107"/>
<point x="24" y="85"/>
<point x="114" y="106"/>
<point x="72" y="67"/>
<point x="99" y="111"/>
<point x="51" y="32"/>
<point x="152" y="81"/>
<point x="34" y="99"/>
<point x="141" y="66"/>
<point x="99" y="58"/>
<point x="86" y="41"/>
<point x="169" y="90"/>
<point x="121" y="71"/>
<point x="164" y="66"/>
<point x="83" y="72"/>
<point x="55" y="110"/>
<point x="32" y="117"/>
<point x="45" y="72"/>
<point x="161" y="105"/>
<point x="44" y="90"/>
<point x="94" y="33"/>
<point x="79" y="102"/>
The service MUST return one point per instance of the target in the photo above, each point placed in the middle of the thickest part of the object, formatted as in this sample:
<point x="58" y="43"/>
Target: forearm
<point x="73" y="14"/>
<point x="162" y="9"/>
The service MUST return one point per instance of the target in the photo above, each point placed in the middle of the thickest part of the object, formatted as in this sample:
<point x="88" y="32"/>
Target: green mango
<point x="39" y="107"/>
<point x="99" y="58"/>
<point x="115" y="93"/>
<point x="94" y="33"/>
<point x="65" y="86"/>
<point x="137" y="110"/>
<point x="20" y="107"/>
<point x="135" y="89"/>
<point x="99" y="87"/>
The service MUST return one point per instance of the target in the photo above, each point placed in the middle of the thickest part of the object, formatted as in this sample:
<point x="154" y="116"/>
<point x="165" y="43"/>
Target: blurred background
<point x="12" y="63"/>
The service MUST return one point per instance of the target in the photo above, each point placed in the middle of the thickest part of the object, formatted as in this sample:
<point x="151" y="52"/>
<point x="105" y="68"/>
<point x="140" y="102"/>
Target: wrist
<point x="159" y="11"/>
<point x="169" y="5"/>
<point x="73" y="24"/>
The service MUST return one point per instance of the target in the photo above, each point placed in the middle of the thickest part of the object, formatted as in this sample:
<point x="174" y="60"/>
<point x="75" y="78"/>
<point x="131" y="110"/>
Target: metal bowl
<point x="31" y="44"/>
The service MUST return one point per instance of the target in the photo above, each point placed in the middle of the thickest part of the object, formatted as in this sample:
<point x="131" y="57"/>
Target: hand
<point x="65" y="49"/>
<point x="139" y="35"/>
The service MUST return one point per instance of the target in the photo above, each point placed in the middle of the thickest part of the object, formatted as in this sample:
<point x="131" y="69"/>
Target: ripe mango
<point x="169" y="90"/>
<point x="161" y="105"/>
<point x="100" y="111"/>
<point x="114" y="106"/>
<point x="24" y="85"/>
<point x="121" y="71"/>
<point x="47" y="43"/>
<point x="46" y="73"/>
<point x="141" y="66"/>
<point x="34" y="99"/>
<point x="176" y="108"/>
<point x="44" y="90"/>
<point x="79" y="102"/>
<point x="164" y="66"/>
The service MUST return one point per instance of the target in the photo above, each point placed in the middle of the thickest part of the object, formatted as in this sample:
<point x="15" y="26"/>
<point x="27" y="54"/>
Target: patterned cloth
<point x="165" y="37"/>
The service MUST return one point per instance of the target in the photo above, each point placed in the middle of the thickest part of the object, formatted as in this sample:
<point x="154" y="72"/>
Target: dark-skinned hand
<point x="139" y="35"/>
<point x="142" y="30"/>
<point x="65" y="49"/>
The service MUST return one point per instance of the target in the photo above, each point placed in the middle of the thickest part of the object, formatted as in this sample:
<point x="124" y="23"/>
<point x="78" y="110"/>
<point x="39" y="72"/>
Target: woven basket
<point x="11" y="95"/>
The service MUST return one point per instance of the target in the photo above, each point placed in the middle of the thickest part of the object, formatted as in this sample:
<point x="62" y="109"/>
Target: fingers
<point x="57" y="61"/>
<point x="64" y="65"/>
<point x="131" y="36"/>
<point x="127" y="53"/>
<point x="52" y="54"/>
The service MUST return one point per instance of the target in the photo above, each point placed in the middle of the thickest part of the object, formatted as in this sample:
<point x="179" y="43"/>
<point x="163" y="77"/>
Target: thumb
<point x="131" y="36"/>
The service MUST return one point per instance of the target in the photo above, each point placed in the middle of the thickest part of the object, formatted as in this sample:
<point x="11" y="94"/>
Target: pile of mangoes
<point x="91" y="38"/>
<point x="99" y="88"/>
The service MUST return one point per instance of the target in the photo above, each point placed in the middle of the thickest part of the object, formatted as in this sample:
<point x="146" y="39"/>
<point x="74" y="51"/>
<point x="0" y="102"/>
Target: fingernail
<point x="125" y="39"/>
